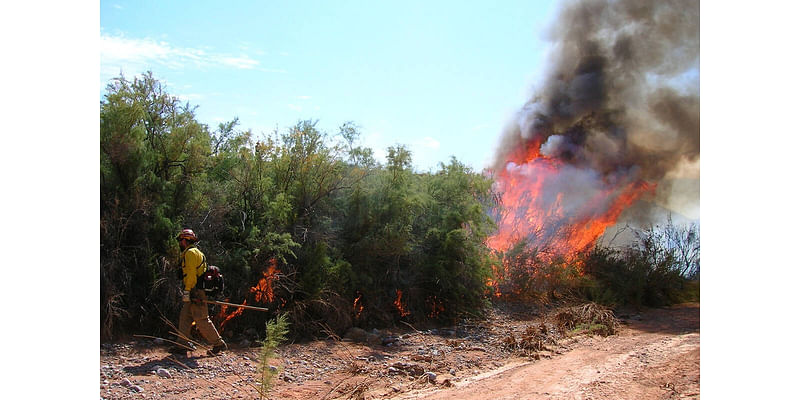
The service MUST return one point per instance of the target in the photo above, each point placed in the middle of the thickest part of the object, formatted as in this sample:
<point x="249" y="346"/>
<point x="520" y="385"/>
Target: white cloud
<point x="239" y="62"/>
<point x="294" y="107"/>
<point x="184" y="97"/>
<point x="427" y="143"/>
<point x="133" y="56"/>
<point x="304" y="97"/>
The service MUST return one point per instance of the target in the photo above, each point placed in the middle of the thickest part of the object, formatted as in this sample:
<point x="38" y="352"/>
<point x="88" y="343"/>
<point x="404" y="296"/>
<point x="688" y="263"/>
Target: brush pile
<point x="590" y="317"/>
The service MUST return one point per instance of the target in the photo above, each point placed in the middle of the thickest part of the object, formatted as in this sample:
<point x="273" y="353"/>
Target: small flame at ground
<point x="224" y="317"/>
<point x="262" y="291"/>
<point x="398" y="304"/>
<point x="358" y="307"/>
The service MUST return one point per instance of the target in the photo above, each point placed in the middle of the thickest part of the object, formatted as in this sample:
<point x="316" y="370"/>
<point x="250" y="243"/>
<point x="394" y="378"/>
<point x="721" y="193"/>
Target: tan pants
<point x="198" y="313"/>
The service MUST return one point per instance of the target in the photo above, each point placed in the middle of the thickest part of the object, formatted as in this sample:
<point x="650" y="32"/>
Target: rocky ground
<point x="515" y="353"/>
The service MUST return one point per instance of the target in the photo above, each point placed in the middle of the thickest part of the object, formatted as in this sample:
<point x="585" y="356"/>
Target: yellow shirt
<point x="193" y="263"/>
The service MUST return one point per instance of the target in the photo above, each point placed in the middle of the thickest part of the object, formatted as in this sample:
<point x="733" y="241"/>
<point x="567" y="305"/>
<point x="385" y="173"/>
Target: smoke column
<point x="617" y="112"/>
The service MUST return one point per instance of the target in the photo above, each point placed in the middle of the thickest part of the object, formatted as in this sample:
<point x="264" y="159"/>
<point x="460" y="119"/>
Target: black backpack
<point x="211" y="281"/>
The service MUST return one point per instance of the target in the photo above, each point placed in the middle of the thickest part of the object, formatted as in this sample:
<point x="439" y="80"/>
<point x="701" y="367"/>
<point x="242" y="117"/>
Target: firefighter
<point x="193" y="265"/>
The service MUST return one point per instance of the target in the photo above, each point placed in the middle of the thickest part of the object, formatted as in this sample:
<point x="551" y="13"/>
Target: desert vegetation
<point x="308" y="224"/>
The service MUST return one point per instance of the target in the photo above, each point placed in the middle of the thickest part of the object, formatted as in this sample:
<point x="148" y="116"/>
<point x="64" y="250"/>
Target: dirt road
<point x="657" y="357"/>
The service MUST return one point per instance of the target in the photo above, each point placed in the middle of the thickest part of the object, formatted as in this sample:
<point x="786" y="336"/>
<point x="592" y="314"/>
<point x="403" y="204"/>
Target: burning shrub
<point x="529" y="274"/>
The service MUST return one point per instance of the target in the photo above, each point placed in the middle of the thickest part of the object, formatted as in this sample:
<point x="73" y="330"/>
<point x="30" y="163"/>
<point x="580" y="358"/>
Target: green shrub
<point x="276" y="331"/>
<point x="656" y="271"/>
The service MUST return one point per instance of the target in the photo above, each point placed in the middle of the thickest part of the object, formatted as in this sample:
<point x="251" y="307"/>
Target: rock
<point x="163" y="373"/>
<point x="137" y="389"/>
<point x="389" y="340"/>
<point x="431" y="376"/>
<point x="453" y="371"/>
<point x="125" y="382"/>
<point x="412" y="369"/>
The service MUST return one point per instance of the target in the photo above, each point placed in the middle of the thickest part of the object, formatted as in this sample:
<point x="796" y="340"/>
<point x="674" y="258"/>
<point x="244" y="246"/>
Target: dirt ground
<point x="654" y="355"/>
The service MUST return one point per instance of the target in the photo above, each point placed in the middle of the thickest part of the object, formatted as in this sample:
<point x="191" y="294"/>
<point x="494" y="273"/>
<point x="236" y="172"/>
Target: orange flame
<point x="358" y="307"/>
<point x="561" y="209"/>
<point x="263" y="289"/>
<point x="263" y="293"/>
<point x="398" y="304"/>
<point x="224" y="317"/>
<point x="492" y="284"/>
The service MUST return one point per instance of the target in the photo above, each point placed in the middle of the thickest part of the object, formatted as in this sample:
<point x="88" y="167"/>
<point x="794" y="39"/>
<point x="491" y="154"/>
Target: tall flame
<point x="617" y="112"/>
<point x="557" y="207"/>
<point x="263" y="289"/>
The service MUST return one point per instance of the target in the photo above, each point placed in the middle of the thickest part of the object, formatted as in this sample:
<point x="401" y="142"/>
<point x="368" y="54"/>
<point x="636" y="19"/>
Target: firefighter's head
<point x="186" y="238"/>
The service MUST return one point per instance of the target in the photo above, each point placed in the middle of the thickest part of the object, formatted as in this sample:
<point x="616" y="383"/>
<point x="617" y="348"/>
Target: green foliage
<point x="276" y="332"/>
<point x="339" y="239"/>
<point x="318" y="211"/>
<point x="152" y="152"/>
<point x="660" y="269"/>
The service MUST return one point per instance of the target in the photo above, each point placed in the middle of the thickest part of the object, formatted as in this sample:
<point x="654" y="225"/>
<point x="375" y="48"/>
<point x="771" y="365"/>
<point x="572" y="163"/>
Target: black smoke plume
<point x="620" y="99"/>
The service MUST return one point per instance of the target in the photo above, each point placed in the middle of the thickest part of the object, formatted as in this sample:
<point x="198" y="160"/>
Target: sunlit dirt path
<point x="655" y="356"/>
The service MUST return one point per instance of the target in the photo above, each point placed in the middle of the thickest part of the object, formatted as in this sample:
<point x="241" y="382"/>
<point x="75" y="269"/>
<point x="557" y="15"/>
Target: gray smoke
<point x="621" y="95"/>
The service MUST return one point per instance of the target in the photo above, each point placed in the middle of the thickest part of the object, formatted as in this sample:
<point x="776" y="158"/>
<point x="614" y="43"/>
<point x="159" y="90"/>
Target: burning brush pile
<point x="616" y="120"/>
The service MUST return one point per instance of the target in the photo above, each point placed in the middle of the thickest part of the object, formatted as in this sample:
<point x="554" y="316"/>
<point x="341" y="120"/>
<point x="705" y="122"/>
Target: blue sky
<point x="442" y="78"/>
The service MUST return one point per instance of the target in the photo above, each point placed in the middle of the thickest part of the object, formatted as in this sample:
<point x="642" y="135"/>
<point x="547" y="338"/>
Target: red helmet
<point x="187" y="234"/>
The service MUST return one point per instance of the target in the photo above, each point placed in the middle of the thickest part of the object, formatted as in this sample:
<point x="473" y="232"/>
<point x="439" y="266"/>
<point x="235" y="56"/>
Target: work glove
<point x="186" y="298"/>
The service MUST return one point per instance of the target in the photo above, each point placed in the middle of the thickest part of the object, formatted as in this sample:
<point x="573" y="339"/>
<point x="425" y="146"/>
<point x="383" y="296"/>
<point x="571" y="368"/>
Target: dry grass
<point x="589" y="317"/>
